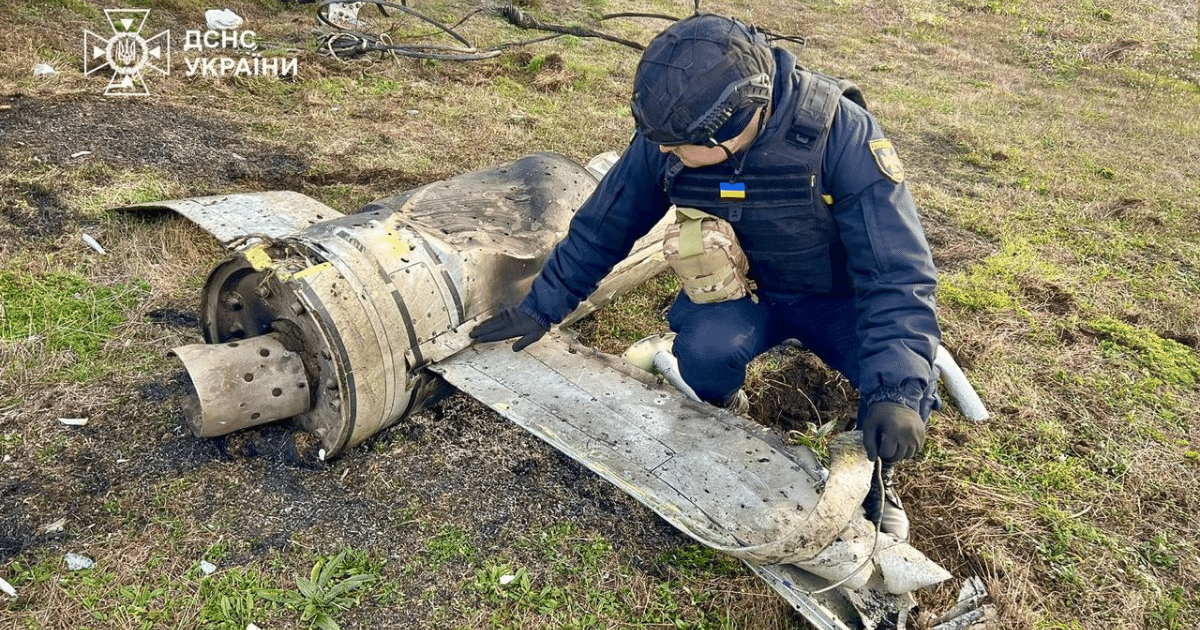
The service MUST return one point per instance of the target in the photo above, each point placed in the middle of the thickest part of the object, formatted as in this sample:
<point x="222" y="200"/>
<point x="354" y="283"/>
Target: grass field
<point x="1053" y="148"/>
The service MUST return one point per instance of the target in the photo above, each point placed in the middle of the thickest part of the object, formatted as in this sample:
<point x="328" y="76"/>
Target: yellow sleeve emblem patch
<point x="887" y="159"/>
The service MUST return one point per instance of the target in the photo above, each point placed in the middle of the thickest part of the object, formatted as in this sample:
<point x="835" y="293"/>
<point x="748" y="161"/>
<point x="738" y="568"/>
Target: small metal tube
<point x="242" y="384"/>
<point x="961" y="390"/>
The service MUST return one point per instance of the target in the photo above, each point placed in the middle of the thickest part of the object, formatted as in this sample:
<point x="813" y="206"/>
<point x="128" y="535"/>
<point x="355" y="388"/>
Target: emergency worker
<point x="816" y="197"/>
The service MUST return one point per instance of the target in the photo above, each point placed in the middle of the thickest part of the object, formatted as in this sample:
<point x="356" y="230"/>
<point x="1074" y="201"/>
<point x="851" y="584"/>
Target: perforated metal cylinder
<point x="242" y="384"/>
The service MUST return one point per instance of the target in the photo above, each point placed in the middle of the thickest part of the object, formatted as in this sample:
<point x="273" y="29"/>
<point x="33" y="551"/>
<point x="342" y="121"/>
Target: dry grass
<point x="1052" y="147"/>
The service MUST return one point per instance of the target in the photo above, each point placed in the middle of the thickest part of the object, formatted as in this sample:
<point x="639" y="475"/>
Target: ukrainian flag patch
<point x="733" y="191"/>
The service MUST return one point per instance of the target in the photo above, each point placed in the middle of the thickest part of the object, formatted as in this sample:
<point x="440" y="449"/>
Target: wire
<point x="656" y="16"/>
<point x="345" y="42"/>
<point x="381" y="4"/>
<point x="520" y="19"/>
<point x="350" y="43"/>
<point x="775" y="37"/>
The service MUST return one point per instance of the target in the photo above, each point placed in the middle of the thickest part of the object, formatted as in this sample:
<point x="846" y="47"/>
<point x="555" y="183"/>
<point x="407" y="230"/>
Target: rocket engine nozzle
<point x="241" y="384"/>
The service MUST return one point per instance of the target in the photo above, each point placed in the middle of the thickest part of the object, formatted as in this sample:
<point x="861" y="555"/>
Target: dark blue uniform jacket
<point x="878" y="251"/>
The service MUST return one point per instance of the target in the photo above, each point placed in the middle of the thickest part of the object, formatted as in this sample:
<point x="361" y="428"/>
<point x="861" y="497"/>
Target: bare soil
<point x="210" y="153"/>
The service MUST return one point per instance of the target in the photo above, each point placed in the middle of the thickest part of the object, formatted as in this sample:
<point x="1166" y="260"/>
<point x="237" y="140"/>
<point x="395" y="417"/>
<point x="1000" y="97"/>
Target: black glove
<point x="892" y="432"/>
<point x="511" y="322"/>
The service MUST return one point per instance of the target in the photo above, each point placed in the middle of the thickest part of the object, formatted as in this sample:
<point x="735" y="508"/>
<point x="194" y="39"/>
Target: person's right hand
<point x="509" y="323"/>
<point x="892" y="431"/>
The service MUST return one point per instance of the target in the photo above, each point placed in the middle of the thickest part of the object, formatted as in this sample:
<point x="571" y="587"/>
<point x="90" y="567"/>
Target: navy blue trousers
<point x="715" y="342"/>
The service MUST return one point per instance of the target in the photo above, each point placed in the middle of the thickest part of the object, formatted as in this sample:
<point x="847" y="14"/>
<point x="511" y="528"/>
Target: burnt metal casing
<point x="364" y="301"/>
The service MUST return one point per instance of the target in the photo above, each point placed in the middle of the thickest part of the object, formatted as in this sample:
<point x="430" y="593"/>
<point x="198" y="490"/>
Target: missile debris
<point x="348" y="323"/>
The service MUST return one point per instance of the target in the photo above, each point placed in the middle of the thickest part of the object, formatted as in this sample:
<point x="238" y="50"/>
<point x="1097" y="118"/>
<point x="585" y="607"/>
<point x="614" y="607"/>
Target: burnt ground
<point x="134" y="470"/>
<point x="102" y="141"/>
<point x="211" y="154"/>
<point x="107" y="142"/>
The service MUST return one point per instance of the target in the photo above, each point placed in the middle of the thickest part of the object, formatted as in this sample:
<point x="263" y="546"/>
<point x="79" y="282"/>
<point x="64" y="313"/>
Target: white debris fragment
<point x="7" y="588"/>
<point x="207" y="567"/>
<point x="74" y="422"/>
<point x="960" y="388"/>
<point x="76" y="562"/>
<point x="91" y="242"/>
<point x="222" y="19"/>
<point x="321" y="454"/>
<point x="56" y="526"/>
<point x="345" y="15"/>
<point x="507" y="579"/>
<point x="43" y="70"/>
<point x="78" y="154"/>
<point x="251" y="626"/>
<point x="414" y="112"/>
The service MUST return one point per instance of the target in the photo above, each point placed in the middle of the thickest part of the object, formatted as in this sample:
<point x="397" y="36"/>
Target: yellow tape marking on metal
<point x="398" y="245"/>
<point x="258" y="258"/>
<point x="310" y="271"/>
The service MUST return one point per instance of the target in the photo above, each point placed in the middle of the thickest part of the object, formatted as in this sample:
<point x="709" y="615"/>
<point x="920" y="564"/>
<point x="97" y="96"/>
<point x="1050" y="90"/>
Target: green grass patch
<point x="1066" y="475"/>
<point x="1160" y="551"/>
<point x="1174" y="609"/>
<point x="513" y="597"/>
<point x="449" y="544"/>
<point x="990" y="286"/>
<point x="977" y="290"/>
<point x="1169" y="360"/>
<point x="64" y="312"/>
<point x="696" y="559"/>
<point x="636" y="314"/>
<point x="1165" y="85"/>
<point x="78" y="7"/>
<point x="126" y="187"/>
<point x="335" y="584"/>
<point x="573" y="581"/>
<point x="231" y="598"/>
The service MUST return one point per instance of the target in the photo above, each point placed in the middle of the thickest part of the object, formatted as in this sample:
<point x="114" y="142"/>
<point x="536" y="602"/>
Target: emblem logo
<point x="127" y="53"/>
<point x="887" y="159"/>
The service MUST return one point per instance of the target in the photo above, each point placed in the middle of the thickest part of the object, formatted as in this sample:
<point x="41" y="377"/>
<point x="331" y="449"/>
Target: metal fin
<point x="231" y="218"/>
<point x="726" y="481"/>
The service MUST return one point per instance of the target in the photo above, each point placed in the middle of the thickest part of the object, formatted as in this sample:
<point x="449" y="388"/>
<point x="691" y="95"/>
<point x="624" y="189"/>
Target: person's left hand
<point x="509" y="323"/>
<point x="892" y="431"/>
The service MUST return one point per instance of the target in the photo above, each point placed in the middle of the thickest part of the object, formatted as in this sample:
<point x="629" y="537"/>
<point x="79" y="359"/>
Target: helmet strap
<point x="741" y="163"/>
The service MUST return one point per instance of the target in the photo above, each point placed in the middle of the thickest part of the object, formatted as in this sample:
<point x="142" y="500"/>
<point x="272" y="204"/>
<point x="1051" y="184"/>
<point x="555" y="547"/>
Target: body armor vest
<point x="783" y="224"/>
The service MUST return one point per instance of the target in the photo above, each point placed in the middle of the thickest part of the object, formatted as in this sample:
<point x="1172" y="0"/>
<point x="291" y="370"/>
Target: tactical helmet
<point x="700" y="81"/>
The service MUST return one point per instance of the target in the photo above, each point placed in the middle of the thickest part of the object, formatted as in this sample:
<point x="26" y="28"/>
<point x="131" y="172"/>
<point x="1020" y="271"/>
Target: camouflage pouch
<point x="704" y="252"/>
